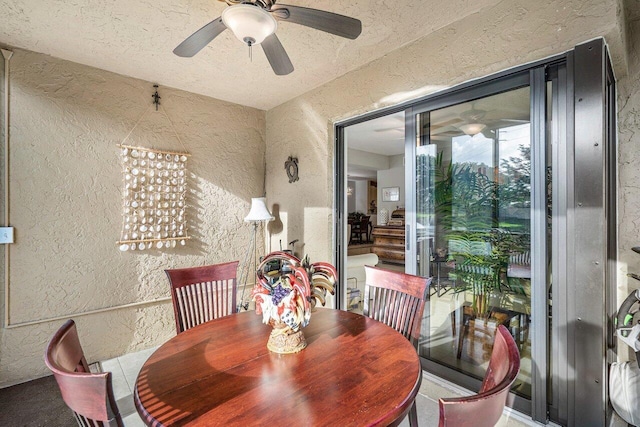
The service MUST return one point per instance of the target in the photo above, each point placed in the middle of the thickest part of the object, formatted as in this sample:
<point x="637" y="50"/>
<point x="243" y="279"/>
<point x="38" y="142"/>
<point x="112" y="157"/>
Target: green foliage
<point x="464" y="198"/>
<point x="516" y="174"/>
<point x="465" y="202"/>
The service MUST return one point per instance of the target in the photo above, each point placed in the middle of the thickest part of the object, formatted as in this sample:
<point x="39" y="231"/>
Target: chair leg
<point x="413" y="415"/>
<point x="525" y="337"/>
<point x="453" y="323"/>
<point x="464" y="331"/>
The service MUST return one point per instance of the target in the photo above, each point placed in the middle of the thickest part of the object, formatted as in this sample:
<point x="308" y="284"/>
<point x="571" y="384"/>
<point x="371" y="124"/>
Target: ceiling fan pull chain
<point x="250" y="52"/>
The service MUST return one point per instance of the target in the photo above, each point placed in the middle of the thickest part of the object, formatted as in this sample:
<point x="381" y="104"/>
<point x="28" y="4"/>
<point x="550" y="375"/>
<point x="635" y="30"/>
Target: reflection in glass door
<point x="473" y="229"/>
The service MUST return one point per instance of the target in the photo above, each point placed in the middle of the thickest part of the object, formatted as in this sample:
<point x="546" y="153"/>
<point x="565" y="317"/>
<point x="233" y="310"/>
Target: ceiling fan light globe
<point x="250" y="24"/>
<point x="472" y="129"/>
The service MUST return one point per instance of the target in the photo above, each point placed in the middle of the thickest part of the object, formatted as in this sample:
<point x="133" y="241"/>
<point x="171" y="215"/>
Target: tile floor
<point x="125" y="371"/>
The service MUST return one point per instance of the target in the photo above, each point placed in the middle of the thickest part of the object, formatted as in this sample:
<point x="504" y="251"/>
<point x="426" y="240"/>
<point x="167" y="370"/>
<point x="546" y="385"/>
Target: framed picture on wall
<point x="391" y="194"/>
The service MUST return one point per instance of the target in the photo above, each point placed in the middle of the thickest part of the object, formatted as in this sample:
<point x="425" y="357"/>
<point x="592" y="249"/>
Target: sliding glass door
<point x="473" y="229"/>
<point x="476" y="155"/>
<point x="509" y="205"/>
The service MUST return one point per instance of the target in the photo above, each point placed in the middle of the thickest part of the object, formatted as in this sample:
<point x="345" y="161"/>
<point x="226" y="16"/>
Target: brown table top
<point x="355" y="371"/>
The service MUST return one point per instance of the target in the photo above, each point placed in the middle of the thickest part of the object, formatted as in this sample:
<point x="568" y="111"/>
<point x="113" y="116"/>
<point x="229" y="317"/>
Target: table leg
<point x="438" y="286"/>
<point x="413" y="415"/>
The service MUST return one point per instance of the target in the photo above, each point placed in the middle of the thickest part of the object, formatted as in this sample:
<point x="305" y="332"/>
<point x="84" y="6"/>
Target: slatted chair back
<point x="201" y="294"/>
<point x="519" y="266"/>
<point x="485" y="408"/>
<point x="89" y="395"/>
<point x="478" y="277"/>
<point x="396" y="299"/>
<point x="360" y="228"/>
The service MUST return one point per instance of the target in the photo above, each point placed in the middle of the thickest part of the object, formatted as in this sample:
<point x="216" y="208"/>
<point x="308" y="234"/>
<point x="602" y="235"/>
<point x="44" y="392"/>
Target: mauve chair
<point x="201" y="294"/>
<point x="89" y="395"/>
<point x="397" y="300"/>
<point x="484" y="409"/>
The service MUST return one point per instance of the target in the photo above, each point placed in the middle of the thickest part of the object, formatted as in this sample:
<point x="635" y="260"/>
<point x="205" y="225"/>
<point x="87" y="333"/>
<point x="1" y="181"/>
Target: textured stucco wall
<point x="629" y="170"/>
<point x="66" y="203"/>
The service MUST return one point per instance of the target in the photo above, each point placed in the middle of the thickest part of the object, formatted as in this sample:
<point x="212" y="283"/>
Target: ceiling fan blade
<point x="198" y="40"/>
<point x="445" y="123"/>
<point x="398" y="129"/>
<point x="333" y="23"/>
<point x="276" y="55"/>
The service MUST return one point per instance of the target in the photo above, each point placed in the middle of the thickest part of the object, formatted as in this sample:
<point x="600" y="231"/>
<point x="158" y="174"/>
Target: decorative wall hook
<point x="156" y="97"/>
<point x="291" y="166"/>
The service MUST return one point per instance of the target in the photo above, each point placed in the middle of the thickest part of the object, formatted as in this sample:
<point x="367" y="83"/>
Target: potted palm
<point x="465" y="200"/>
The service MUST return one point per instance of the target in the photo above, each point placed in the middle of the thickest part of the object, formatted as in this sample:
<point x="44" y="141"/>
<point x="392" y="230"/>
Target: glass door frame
<point x="585" y="177"/>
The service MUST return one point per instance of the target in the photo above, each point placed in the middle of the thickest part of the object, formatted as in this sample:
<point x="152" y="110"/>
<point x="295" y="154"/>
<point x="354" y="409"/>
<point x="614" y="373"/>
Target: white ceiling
<point x="384" y="135"/>
<point x="136" y="38"/>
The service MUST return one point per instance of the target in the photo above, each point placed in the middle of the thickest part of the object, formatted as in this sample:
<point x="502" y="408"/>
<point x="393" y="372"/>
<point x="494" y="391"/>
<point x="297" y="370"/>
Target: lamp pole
<point x="258" y="213"/>
<point x="242" y="305"/>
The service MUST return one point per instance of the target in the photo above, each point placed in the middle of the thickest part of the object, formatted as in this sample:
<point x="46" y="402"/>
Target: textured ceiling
<point x="136" y="38"/>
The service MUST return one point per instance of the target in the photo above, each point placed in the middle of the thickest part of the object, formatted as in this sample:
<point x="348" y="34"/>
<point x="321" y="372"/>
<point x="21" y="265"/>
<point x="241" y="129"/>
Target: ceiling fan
<point x="254" y="22"/>
<point x="475" y="120"/>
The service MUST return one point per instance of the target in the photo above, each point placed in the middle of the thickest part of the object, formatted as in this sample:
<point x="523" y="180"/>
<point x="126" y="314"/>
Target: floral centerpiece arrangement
<point x="286" y="291"/>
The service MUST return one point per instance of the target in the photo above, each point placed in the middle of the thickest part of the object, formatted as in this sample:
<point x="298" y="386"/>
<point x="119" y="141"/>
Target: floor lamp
<point x="258" y="213"/>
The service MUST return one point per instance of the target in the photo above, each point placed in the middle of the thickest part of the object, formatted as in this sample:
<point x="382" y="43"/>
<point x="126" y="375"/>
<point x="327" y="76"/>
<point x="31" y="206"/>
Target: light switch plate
<point x="6" y="235"/>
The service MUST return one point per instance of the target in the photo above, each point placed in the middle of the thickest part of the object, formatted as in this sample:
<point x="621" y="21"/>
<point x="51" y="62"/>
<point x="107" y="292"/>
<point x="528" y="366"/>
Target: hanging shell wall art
<point x="154" y="193"/>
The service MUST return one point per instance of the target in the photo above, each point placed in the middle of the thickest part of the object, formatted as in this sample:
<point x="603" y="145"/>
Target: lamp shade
<point x="250" y="24"/>
<point x="472" y="129"/>
<point x="259" y="211"/>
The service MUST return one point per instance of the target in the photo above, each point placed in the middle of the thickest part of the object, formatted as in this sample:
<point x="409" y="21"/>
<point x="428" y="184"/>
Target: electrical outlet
<point x="6" y="235"/>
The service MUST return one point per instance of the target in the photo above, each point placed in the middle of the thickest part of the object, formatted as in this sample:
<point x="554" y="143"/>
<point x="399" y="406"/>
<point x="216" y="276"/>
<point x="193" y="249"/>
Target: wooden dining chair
<point x="201" y="294"/>
<point x="89" y="395"/>
<point x="397" y="300"/>
<point x="484" y="409"/>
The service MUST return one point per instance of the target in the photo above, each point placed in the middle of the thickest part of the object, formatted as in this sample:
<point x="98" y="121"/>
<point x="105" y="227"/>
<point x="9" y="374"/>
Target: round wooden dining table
<point x="355" y="371"/>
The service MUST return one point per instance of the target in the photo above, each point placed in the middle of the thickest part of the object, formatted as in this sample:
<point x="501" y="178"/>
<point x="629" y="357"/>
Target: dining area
<point x="224" y="366"/>
<point x="508" y="132"/>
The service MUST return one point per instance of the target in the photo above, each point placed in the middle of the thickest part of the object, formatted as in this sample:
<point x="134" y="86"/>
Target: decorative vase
<point x="384" y="216"/>
<point x="284" y="340"/>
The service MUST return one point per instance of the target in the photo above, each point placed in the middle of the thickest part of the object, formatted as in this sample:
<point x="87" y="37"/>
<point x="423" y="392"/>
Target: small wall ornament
<point x="291" y="166"/>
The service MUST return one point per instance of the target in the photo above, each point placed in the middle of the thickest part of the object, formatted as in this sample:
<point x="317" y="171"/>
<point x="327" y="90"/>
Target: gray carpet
<point x="36" y="403"/>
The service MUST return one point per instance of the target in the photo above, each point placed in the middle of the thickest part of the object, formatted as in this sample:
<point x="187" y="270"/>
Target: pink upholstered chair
<point x="397" y="300"/>
<point x="485" y="408"/>
<point x="201" y="294"/>
<point x="90" y="396"/>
